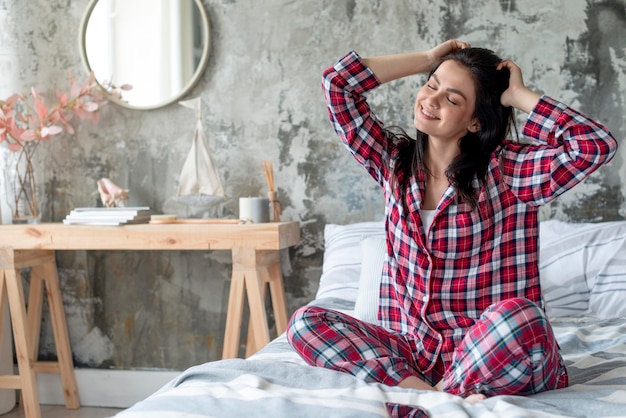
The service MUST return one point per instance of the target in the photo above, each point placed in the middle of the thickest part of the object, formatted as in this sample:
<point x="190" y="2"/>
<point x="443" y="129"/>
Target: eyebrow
<point x="459" y="92"/>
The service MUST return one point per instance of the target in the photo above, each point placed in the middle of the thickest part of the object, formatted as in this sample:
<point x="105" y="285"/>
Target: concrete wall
<point x="262" y="101"/>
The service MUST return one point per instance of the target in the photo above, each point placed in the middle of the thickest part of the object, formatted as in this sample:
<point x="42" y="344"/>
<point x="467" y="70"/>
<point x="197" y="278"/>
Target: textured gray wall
<point x="262" y="101"/>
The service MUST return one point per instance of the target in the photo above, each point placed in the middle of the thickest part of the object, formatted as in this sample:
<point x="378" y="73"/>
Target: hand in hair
<point x="517" y="95"/>
<point x="435" y="54"/>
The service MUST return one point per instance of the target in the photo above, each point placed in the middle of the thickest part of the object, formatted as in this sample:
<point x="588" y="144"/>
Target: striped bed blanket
<point x="276" y="383"/>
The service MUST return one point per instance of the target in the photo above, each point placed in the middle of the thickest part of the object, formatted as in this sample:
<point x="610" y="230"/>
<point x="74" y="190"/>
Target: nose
<point x="432" y="100"/>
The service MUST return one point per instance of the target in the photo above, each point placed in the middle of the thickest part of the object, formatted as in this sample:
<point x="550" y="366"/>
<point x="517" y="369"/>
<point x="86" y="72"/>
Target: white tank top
<point x="427" y="218"/>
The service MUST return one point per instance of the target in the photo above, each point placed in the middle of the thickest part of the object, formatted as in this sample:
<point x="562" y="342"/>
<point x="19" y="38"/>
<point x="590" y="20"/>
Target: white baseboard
<point x="105" y="388"/>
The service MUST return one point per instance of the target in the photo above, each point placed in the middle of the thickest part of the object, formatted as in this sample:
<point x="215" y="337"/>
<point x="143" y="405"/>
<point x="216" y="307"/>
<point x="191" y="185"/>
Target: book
<point x="108" y="216"/>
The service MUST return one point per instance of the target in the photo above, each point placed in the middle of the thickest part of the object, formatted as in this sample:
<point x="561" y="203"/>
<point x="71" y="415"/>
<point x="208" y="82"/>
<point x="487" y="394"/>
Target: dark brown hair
<point x="476" y="147"/>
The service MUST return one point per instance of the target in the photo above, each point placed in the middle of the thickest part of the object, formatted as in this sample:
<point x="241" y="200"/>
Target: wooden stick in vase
<point x="272" y="195"/>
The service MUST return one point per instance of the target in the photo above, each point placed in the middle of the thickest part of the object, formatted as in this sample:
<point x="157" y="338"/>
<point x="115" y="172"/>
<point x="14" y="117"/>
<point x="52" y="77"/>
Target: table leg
<point x="27" y="325"/>
<point x="35" y="306"/>
<point x="270" y="276"/>
<point x="25" y="362"/>
<point x="277" y="291"/>
<point x="234" y="315"/>
<point x="251" y="346"/>
<point x="256" y="301"/>
<point x="61" y="335"/>
<point x="252" y="270"/>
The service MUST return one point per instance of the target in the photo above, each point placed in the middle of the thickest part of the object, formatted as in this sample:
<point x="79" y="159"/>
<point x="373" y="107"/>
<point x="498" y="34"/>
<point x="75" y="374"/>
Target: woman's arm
<point x="345" y="85"/>
<point x="569" y="146"/>
<point x="392" y="67"/>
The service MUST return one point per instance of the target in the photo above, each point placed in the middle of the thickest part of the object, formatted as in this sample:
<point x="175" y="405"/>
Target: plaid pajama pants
<point x="510" y="350"/>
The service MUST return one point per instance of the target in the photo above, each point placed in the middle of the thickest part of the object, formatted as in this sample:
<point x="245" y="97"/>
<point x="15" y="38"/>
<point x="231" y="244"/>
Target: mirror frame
<point x="204" y="59"/>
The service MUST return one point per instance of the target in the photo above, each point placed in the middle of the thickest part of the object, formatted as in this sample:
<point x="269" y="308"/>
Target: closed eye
<point x="434" y="88"/>
<point x="451" y="90"/>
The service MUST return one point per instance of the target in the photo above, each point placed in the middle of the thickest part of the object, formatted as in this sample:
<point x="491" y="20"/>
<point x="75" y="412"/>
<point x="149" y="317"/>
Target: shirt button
<point x="425" y="299"/>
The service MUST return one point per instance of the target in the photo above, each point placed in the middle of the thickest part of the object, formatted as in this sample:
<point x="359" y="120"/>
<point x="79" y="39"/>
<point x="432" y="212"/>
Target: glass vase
<point x="22" y="186"/>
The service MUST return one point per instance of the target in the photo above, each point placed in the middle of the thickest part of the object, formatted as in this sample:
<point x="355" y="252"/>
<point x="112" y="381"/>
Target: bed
<point x="583" y="273"/>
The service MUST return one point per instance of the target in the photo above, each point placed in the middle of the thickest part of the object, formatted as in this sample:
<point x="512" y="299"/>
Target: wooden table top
<point x="209" y="236"/>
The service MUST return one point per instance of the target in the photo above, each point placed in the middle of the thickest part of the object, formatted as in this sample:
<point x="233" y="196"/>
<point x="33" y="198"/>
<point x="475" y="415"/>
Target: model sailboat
<point x="199" y="186"/>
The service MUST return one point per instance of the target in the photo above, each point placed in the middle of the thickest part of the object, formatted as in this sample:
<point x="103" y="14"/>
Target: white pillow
<point x="342" y="258"/>
<point x="373" y="254"/>
<point x="583" y="268"/>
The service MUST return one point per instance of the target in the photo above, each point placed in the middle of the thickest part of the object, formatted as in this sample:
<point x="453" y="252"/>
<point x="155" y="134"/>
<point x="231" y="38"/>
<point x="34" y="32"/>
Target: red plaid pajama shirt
<point x="436" y="285"/>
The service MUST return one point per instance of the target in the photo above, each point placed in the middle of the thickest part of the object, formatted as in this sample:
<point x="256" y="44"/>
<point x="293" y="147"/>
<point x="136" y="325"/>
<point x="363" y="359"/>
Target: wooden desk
<point x="256" y="263"/>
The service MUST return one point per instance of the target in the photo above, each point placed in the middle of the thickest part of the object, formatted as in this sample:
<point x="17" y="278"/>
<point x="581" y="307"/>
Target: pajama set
<point x="460" y="298"/>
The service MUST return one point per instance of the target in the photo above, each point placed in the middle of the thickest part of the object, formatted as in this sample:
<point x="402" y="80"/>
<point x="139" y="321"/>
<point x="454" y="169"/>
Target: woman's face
<point x="444" y="108"/>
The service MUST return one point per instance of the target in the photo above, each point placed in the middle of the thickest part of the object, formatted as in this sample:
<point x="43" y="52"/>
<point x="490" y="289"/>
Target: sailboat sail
<point x="199" y="175"/>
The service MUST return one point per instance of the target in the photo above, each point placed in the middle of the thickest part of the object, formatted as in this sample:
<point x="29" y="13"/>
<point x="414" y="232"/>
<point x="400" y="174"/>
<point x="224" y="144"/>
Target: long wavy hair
<point x="496" y="122"/>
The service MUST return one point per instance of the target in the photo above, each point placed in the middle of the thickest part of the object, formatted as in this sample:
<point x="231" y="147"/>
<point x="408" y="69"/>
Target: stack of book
<point x="108" y="216"/>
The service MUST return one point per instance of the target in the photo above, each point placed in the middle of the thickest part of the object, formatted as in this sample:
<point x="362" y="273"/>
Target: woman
<point x="460" y="301"/>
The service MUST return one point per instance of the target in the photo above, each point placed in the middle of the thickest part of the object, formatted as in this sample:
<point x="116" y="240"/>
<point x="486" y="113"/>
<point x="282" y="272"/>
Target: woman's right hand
<point x="435" y="54"/>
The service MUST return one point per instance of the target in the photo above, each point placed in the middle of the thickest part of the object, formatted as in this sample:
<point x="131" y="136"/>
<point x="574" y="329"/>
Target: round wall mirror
<point x="157" y="47"/>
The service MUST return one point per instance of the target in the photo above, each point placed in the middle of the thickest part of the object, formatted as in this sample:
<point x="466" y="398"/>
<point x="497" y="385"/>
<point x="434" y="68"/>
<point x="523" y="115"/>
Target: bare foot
<point x="477" y="397"/>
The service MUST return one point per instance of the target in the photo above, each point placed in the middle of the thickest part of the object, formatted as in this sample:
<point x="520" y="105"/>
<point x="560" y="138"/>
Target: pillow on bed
<point x="373" y="252"/>
<point x="342" y="258"/>
<point x="583" y="268"/>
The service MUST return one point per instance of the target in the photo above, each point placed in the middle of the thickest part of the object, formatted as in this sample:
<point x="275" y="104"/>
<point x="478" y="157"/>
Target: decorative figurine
<point x="111" y="194"/>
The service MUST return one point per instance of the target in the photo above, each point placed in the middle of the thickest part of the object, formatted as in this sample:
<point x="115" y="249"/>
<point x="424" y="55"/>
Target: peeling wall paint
<point x="262" y="101"/>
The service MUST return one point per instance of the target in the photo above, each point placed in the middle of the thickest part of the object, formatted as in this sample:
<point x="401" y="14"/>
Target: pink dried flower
<point x="27" y="118"/>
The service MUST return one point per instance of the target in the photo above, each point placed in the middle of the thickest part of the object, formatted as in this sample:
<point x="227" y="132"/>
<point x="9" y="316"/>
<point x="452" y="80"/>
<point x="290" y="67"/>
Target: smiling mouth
<point x="427" y="114"/>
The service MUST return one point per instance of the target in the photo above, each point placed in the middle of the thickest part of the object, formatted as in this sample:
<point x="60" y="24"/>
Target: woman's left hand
<point x="517" y="94"/>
